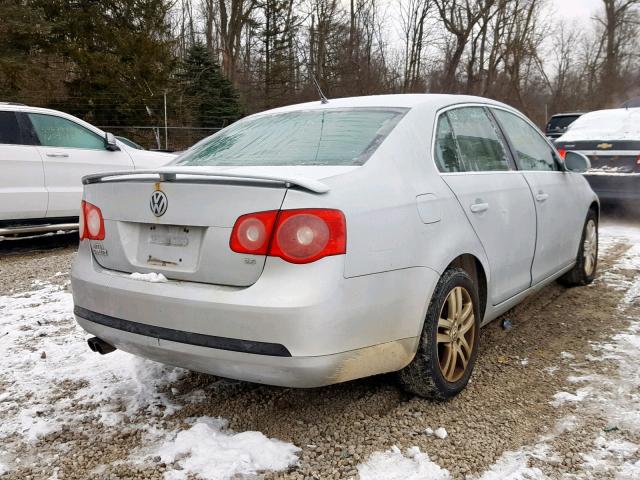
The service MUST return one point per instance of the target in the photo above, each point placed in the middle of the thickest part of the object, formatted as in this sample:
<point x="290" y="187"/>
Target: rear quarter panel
<point x="385" y="231"/>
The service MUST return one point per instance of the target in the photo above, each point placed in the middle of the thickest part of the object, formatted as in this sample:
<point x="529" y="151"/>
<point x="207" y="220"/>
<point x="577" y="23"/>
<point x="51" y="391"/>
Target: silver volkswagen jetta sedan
<point x="319" y="243"/>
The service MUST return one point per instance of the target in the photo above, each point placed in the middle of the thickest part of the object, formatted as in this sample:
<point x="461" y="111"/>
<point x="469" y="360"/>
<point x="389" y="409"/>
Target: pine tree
<point x="207" y="94"/>
<point x="120" y="53"/>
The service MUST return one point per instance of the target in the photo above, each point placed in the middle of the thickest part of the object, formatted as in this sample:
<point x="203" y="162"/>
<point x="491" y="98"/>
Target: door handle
<point x="479" y="207"/>
<point x="58" y="155"/>
<point x="541" y="196"/>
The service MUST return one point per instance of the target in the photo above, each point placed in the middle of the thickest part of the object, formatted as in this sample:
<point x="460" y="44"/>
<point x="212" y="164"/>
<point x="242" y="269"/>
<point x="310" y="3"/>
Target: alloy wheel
<point x="456" y="334"/>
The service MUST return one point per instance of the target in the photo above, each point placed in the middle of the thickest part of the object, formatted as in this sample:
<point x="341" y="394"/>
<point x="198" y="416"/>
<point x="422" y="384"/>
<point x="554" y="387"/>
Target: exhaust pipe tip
<point x="100" y="346"/>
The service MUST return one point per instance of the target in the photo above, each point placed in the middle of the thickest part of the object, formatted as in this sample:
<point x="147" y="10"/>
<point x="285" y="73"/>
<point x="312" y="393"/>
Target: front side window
<point x="480" y="146"/>
<point x="9" y="129"/>
<point x="313" y="137"/>
<point x="59" y="132"/>
<point x="532" y="151"/>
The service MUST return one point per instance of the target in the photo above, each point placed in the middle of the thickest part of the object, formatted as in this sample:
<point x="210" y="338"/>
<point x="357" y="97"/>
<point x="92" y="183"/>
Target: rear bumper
<point x="333" y="329"/>
<point x="615" y="187"/>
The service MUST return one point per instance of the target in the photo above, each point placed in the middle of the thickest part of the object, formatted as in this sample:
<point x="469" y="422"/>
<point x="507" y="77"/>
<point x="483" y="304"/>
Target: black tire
<point x="584" y="272"/>
<point x="424" y="375"/>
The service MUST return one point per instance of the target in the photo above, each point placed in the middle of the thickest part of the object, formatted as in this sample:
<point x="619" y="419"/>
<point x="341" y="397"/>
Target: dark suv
<point x="559" y="123"/>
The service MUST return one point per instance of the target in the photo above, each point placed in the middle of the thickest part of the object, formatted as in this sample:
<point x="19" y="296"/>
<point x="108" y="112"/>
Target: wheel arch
<point x="476" y="270"/>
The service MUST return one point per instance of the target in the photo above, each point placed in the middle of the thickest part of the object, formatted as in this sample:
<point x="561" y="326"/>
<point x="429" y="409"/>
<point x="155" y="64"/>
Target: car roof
<point x="405" y="100"/>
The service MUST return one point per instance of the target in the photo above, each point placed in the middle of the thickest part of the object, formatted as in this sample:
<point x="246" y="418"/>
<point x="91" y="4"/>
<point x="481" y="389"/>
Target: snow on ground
<point x="211" y="451"/>
<point x="49" y="378"/>
<point x="515" y="465"/>
<point x="394" y="465"/>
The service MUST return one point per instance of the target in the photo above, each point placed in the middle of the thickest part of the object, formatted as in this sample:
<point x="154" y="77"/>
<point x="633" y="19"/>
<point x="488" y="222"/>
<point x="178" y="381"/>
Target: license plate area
<point x="169" y="247"/>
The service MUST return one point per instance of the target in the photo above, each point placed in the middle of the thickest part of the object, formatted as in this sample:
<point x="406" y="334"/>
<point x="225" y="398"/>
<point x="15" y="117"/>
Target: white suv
<point x="43" y="156"/>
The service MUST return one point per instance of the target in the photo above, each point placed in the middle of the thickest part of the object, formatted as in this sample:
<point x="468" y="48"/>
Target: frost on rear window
<point x="312" y="137"/>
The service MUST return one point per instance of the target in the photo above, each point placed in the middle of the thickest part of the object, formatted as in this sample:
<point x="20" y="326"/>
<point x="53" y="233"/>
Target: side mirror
<point x="576" y="162"/>
<point x="110" y="142"/>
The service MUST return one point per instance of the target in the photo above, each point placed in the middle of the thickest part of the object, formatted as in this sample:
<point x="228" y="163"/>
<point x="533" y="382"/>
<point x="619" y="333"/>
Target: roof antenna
<point x="323" y="98"/>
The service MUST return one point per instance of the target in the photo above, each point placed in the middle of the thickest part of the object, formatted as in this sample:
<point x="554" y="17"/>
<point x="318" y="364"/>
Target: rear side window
<point x="9" y="129"/>
<point x="313" y="137"/>
<point x="446" y="150"/>
<point x="479" y="145"/>
<point x="59" y="132"/>
<point x="532" y="150"/>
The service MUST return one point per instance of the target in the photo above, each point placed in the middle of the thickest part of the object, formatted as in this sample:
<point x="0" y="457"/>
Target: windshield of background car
<point x="311" y="137"/>
<point x="561" y="123"/>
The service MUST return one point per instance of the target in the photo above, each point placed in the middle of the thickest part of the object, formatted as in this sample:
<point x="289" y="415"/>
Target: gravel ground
<point x="508" y="405"/>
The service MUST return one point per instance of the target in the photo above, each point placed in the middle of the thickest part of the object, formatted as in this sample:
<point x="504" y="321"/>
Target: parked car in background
<point x="129" y="143"/>
<point x="611" y="140"/>
<point x="43" y="156"/>
<point x="631" y="103"/>
<point x="559" y="123"/>
<point x="322" y="242"/>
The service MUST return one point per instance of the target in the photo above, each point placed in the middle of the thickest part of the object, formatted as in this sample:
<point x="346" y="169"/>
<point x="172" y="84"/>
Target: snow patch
<point x="563" y="397"/>
<point x="441" y="433"/>
<point x="211" y="451"/>
<point x="41" y="321"/>
<point x="515" y="465"/>
<point x="152" y="277"/>
<point x="394" y="465"/>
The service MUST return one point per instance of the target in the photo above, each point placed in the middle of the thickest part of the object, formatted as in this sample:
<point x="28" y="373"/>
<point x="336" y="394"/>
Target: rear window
<point x="313" y="137"/>
<point x="560" y="123"/>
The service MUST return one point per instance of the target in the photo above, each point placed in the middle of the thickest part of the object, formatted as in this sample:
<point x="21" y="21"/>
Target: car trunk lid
<point x="177" y="221"/>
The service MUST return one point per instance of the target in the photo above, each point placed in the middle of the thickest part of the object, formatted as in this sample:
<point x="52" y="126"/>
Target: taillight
<point x="638" y="160"/>
<point x="251" y="233"/>
<point x="296" y="236"/>
<point x="304" y="236"/>
<point x="91" y="222"/>
<point x="562" y="152"/>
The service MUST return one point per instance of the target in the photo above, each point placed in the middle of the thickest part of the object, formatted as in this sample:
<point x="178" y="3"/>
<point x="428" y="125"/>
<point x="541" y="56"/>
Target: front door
<point x="496" y="199"/>
<point x="22" y="190"/>
<point x="69" y="152"/>
<point x="559" y="219"/>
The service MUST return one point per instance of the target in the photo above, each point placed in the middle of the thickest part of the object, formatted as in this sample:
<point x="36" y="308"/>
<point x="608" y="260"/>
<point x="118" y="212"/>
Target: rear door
<point x="558" y="214"/>
<point x="22" y="189"/>
<point x="496" y="199"/>
<point x="69" y="152"/>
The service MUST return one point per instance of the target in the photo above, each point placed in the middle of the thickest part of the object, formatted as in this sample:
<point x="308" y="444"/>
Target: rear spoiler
<point x="176" y="174"/>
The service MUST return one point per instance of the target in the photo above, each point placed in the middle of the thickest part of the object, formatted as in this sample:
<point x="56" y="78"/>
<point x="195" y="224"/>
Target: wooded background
<point x="111" y="62"/>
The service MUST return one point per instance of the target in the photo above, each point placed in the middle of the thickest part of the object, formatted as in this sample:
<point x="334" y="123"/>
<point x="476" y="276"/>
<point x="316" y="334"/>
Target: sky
<point x="581" y="10"/>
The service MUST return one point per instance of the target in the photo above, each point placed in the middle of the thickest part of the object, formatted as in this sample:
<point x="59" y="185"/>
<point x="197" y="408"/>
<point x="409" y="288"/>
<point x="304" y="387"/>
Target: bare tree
<point x="620" y="29"/>
<point x="413" y="16"/>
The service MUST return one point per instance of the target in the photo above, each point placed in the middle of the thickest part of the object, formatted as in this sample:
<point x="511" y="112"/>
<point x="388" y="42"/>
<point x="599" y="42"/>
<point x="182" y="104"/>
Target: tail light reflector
<point x="296" y="236"/>
<point x="91" y="222"/>
<point x="562" y="152"/>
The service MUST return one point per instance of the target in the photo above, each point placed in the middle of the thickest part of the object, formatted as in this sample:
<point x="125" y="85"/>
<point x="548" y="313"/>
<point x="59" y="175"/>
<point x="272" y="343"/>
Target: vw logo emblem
<point x="158" y="203"/>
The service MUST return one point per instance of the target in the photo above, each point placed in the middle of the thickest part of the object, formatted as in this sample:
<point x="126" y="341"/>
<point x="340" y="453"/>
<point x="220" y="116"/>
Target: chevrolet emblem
<point x="605" y="146"/>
